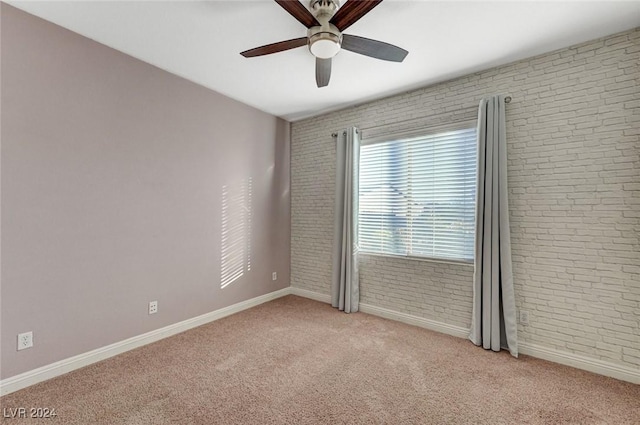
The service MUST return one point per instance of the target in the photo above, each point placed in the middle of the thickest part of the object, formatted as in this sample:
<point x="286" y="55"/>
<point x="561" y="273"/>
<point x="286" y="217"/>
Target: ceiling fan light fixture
<point x="324" y="45"/>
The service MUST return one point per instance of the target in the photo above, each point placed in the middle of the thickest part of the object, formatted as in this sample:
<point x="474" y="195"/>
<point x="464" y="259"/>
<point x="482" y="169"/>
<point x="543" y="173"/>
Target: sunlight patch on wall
<point x="235" y="252"/>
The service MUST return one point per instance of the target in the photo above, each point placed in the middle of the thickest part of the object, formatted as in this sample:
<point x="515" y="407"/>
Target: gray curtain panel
<point x="493" y="323"/>
<point x="345" y="291"/>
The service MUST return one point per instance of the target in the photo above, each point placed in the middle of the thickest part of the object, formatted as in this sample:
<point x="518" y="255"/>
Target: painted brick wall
<point x="573" y="131"/>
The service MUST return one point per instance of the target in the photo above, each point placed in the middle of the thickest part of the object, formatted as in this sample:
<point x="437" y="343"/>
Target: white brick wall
<point x="573" y="131"/>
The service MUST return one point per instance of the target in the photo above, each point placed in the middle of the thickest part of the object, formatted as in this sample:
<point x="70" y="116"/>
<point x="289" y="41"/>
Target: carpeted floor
<point x="297" y="361"/>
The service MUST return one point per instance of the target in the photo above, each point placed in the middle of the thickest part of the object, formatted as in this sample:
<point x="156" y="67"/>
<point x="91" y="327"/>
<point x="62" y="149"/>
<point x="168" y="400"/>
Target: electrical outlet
<point x="274" y="276"/>
<point x="25" y="340"/>
<point x="524" y="317"/>
<point x="153" y="307"/>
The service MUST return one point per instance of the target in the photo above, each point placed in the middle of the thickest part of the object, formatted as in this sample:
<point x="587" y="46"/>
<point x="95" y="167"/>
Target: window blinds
<point x="417" y="196"/>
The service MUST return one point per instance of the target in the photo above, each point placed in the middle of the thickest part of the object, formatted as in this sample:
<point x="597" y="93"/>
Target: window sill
<point x="427" y="259"/>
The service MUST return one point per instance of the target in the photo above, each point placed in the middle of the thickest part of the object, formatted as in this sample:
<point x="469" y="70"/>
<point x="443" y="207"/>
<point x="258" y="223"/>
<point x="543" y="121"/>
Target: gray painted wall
<point x="112" y="174"/>
<point x="574" y="187"/>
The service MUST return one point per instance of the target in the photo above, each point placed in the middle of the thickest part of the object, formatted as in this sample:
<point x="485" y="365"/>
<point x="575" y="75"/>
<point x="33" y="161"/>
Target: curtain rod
<point x="507" y="99"/>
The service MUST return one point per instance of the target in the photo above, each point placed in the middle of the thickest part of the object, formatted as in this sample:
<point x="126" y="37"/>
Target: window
<point x="417" y="195"/>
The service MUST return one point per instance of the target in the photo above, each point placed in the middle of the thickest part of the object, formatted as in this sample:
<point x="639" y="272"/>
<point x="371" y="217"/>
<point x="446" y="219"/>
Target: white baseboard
<point x="311" y="295"/>
<point x="52" y="370"/>
<point x="415" y="320"/>
<point x="600" y="367"/>
<point x="390" y="314"/>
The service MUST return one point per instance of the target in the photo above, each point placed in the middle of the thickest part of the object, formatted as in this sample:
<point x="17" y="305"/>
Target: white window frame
<point x="416" y="134"/>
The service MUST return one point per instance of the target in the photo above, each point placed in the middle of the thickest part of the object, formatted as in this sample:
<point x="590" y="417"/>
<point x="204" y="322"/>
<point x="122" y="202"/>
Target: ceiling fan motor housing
<point x="324" y="40"/>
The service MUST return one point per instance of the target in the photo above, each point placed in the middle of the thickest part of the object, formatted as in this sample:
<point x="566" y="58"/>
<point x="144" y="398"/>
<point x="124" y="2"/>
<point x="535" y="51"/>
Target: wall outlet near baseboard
<point x="524" y="317"/>
<point x="153" y="307"/>
<point x="25" y="340"/>
<point x="274" y="276"/>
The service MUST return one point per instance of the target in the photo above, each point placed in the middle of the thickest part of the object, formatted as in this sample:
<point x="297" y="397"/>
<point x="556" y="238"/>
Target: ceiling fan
<point x="325" y="37"/>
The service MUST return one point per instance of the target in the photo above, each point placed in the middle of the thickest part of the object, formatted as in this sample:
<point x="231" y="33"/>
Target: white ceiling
<point x="201" y="41"/>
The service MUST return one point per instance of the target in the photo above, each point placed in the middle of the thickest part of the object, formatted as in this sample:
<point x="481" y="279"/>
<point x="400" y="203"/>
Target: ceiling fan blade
<point x="323" y="72"/>
<point x="275" y="47"/>
<point x="373" y="48"/>
<point x="351" y="11"/>
<point x="298" y="11"/>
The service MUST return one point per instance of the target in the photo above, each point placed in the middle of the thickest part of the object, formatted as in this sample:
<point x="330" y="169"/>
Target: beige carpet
<point x="296" y="361"/>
